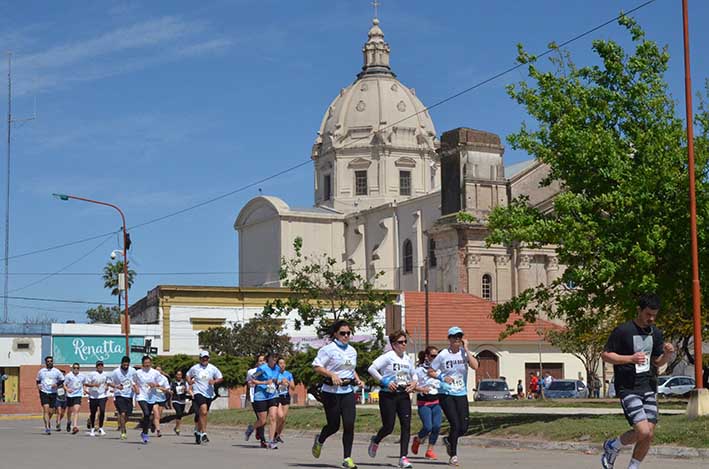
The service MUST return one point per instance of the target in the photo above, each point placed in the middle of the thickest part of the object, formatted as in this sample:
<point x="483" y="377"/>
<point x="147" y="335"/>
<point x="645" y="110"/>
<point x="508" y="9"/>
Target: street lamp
<point x="126" y="242"/>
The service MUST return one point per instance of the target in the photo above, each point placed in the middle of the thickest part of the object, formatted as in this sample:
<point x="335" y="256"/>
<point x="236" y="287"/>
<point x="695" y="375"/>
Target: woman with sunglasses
<point x="429" y="408"/>
<point x="451" y="367"/>
<point x="394" y="371"/>
<point x="260" y="360"/>
<point x="337" y="361"/>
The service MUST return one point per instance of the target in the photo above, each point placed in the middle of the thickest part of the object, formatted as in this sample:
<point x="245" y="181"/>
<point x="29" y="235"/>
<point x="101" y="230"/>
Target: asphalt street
<point x="24" y="446"/>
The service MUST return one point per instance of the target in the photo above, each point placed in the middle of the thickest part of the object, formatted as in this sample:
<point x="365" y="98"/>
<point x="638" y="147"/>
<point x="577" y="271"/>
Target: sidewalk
<point x="481" y="409"/>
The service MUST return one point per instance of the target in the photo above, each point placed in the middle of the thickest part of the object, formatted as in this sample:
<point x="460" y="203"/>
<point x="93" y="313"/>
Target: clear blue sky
<point x="159" y="105"/>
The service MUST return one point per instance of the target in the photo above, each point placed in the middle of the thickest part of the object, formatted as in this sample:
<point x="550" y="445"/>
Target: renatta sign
<point x="87" y="350"/>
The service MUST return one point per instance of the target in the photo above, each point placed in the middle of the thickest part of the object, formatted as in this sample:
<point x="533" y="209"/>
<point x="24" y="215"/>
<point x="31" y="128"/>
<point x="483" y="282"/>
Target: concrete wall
<point x="11" y="355"/>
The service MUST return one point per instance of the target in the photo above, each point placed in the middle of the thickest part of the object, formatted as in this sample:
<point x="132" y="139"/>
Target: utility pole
<point x="425" y="289"/>
<point x="6" y="280"/>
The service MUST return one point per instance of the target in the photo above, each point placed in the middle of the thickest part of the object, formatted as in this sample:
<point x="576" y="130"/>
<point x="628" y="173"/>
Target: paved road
<point x="22" y="445"/>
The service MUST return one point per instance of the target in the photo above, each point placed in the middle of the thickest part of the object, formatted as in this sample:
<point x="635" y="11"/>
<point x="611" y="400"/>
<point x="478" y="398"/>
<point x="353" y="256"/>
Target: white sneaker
<point x="92" y="432"/>
<point x="101" y="432"/>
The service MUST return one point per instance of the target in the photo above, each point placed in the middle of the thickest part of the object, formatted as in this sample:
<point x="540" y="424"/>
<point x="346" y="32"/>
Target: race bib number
<point x="271" y="388"/>
<point x="458" y="384"/>
<point x="60" y="392"/>
<point x="179" y="389"/>
<point x="401" y="378"/>
<point x="203" y="376"/>
<point x="49" y="381"/>
<point x="645" y="367"/>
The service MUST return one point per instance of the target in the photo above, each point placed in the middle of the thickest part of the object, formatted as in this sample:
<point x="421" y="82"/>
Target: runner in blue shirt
<point x="286" y="385"/>
<point x="266" y="396"/>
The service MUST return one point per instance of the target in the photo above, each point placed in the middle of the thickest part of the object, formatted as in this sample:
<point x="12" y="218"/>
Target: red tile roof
<point x="471" y="313"/>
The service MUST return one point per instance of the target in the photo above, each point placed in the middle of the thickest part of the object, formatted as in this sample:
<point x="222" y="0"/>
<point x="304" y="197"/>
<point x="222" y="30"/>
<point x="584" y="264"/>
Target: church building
<point x="392" y="196"/>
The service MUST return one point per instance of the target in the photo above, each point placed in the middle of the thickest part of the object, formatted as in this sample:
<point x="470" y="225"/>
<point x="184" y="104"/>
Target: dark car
<point x="566" y="389"/>
<point x="492" y="390"/>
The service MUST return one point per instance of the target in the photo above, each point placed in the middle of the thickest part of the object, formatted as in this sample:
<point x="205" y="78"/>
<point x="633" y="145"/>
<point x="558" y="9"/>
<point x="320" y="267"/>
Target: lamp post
<point x="126" y="317"/>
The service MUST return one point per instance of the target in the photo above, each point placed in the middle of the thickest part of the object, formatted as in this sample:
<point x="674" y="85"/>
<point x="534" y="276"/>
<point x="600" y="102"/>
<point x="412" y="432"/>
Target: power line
<point x="52" y="300"/>
<point x="299" y="165"/>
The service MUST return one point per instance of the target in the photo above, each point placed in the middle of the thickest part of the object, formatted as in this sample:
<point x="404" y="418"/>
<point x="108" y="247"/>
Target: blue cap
<point x="454" y="330"/>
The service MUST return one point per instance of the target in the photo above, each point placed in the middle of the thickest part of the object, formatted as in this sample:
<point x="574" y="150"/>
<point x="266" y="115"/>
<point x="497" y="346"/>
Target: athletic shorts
<point x="284" y="399"/>
<point x="263" y="406"/>
<point x="72" y="401"/>
<point x="61" y="403"/>
<point x="48" y="399"/>
<point x="179" y="409"/>
<point x="639" y="407"/>
<point x="199" y="400"/>
<point x="124" y="405"/>
<point x="162" y="404"/>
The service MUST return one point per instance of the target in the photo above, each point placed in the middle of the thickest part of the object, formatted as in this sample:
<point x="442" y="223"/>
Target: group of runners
<point x="149" y="387"/>
<point x="439" y="380"/>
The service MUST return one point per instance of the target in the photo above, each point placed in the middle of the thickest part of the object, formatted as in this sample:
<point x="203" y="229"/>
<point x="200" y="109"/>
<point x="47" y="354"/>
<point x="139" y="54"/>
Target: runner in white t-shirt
<point x="161" y="396"/>
<point x="145" y="380"/>
<point x="260" y="434"/>
<point x="394" y="371"/>
<point x="97" y="389"/>
<point x="74" y="386"/>
<point x="48" y="381"/>
<point x="451" y="366"/>
<point x="121" y="381"/>
<point x="202" y="377"/>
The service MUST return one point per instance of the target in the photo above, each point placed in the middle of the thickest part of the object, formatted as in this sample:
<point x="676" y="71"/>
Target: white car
<point x="674" y="385"/>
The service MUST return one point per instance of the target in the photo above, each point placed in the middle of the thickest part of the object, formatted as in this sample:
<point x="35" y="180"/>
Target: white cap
<point x="203" y="353"/>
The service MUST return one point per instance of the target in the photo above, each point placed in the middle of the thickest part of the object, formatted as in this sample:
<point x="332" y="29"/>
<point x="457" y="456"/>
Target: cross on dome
<point x="376" y="4"/>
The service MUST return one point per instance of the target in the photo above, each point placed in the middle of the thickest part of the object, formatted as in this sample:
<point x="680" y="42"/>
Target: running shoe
<point x="47" y="431"/>
<point x="144" y="437"/>
<point x="415" y="445"/>
<point x="404" y="463"/>
<point x="453" y="461"/>
<point x="263" y="444"/>
<point x="348" y="463"/>
<point x="249" y="431"/>
<point x="279" y="439"/>
<point x="447" y="442"/>
<point x="273" y="445"/>
<point x="373" y="447"/>
<point x="123" y="436"/>
<point x="609" y="455"/>
<point x="205" y="438"/>
<point x="92" y="432"/>
<point x="317" y="447"/>
<point x="101" y="432"/>
<point x="59" y="427"/>
<point x="75" y="430"/>
<point x="430" y="454"/>
<point x="159" y="434"/>
<point x="197" y="437"/>
<point x="177" y="431"/>
<point x="68" y="427"/>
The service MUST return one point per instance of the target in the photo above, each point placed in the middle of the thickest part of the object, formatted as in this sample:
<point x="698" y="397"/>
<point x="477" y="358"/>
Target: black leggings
<point x="457" y="413"/>
<point x="147" y="409"/>
<point x="94" y="405"/>
<point x="392" y="404"/>
<point x="339" y="406"/>
<point x="260" y="433"/>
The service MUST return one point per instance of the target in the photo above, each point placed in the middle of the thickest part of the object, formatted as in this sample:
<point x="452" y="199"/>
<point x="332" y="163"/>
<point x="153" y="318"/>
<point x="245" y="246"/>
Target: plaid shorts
<point x="639" y="407"/>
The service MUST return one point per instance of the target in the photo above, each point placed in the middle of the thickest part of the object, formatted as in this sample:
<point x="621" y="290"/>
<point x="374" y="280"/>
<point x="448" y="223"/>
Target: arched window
<point x="432" y="261"/>
<point x="408" y="257"/>
<point x="487" y="287"/>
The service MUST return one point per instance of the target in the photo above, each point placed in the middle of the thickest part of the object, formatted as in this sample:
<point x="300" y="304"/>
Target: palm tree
<point x="110" y="277"/>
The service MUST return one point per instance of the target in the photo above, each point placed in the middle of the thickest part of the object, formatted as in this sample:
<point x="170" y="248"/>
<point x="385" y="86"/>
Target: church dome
<point x="376" y="109"/>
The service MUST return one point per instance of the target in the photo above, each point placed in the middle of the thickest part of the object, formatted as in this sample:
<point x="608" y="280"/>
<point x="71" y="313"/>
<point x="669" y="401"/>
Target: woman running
<point x="160" y="403"/>
<point x="266" y="396"/>
<point x="429" y="408"/>
<point x="394" y="371"/>
<point x="74" y="386"/>
<point x="179" y="398"/>
<point x="451" y="367"/>
<point x="286" y="385"/>
<point x="260" y="360"/>
<point x="146" y="380"/>
<point x="337" y="362"/>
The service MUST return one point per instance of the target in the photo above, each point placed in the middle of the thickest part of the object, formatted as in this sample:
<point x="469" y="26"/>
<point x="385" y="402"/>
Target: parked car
<point x="674" y="385"/>
<point x="492" y="390"/>
<point x="566" y="389"/>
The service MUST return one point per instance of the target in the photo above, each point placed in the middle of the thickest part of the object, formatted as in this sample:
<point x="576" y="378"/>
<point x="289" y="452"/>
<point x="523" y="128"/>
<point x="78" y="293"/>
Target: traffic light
<point x="127" y="241"/>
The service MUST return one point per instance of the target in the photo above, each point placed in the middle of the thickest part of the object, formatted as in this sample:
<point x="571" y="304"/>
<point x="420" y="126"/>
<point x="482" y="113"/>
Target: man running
<point x="636" y="349"/>
<point x="145" y="381"/>
<point x="74" y="386"/>
<point x="202" y="377"/>
<point x="48" y="381"/>
<point x="121" y="380"/>
<point x="97" y="389"/>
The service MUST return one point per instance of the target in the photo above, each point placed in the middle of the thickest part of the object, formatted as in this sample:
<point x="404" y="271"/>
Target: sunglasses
<point x="433" y="355"/>
<point x="401" y="342"/>
<point x="345" y="333"/>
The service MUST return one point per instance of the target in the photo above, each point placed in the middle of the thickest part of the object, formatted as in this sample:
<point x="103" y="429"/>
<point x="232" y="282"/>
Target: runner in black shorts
<point x="48" y="381"/>
<point x="179" y="399"/>
<point x="266" y="399"/>
<point x="286" y="385"/>
<point x="61" y="404"/>
<point x="636" y="349"/>
<point x="260" y="360"/>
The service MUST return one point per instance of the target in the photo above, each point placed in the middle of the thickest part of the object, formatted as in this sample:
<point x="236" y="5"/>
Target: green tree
<point x="233" y="368"/>
<point x="259" y="335"/>
<point x="321" y="293"/>
<point x="104" y="315"/>
<point x="585" y="341"/>
<point x="610" y="133"/>
<point x="110" y="276"/>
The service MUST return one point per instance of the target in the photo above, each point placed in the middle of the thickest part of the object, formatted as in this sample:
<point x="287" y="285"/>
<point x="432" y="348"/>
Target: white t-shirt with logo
<point x="74" y="384"/>
<point x="342" y="362"/>
<point x="249" y="376"/>
<point x="100" y="379"/>
<point x="160" y="395"/>
<point x="142" y="379"/>
<point x="391" y="367"/>
<point x="118" y="377"/>
<point x="201" y="376"/>
<point x="425" y="381"/>
<point x="454" y="365"/>
<point x="49" y="380"/>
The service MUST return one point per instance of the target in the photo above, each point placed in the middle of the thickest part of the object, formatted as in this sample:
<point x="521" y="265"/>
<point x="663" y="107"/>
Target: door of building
<point x="489" y="366"/>
<point x="11" y="385"/>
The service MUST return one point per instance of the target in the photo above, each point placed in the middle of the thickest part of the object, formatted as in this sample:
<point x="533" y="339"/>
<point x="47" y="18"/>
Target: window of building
<point x="327" y="187"/>
<point x="432" y="261"/>
<point x="487" y="287"/>
<point x="23" y="346"/>
<point x="404" y="182"/>
<point x="360" y="182"/>
<point x="408" y="257"/>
